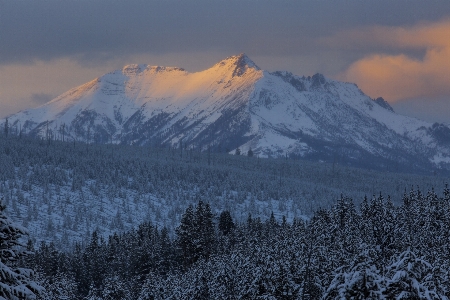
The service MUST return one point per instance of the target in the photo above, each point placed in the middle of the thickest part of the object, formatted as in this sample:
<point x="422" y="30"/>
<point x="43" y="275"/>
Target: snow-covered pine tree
<point x="378" y="223"/>
<point x="360" y="280"/>
<point x="15" y="282"/>
<point x="204" y="230"/>
<point x="185" y="237"/>
<point x="166" y="259"/>
<point x="410" y="277"/>
<point x="114" y="289"/>
<point x="226" y="223"/>
<point x="318" y="266"/>
<point x="438" y="280"/>
<point x="347" y="220"/>
<point x="95" y="262"/>
<point x="60" y="287"/>
<point x="141" y="246"/>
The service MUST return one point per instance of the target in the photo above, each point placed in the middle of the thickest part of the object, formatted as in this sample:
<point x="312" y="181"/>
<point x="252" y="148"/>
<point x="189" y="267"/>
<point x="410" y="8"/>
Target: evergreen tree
<point x="15" y="282"/>
<point x="226" y="223"/>
<point x="94" y="260"/>
<point x="166" y="254"/>
<point x="203" y="230"/>
<point x="60" y="286"/>
<point x="408" y="278"/>
<point x="347" y="223"/>
<point x="114" y="289"/>
<point x="80" y="271"/>
<point x="186" y="237"/>
<point x="360" y="280"/>
<point x="144" y="243"/>
<point x="317" y="236"/>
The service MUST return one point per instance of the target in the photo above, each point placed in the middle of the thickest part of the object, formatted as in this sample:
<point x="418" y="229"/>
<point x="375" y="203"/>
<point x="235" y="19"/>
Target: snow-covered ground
<point x="63" y="191"/>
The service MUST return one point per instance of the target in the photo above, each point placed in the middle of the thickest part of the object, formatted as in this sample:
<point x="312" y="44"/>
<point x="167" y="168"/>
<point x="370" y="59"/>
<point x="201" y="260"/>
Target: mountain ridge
<point x="234" y="104"/>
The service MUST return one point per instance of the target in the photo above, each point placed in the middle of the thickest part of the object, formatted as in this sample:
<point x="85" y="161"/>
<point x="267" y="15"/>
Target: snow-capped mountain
<point x="234" y="104"/>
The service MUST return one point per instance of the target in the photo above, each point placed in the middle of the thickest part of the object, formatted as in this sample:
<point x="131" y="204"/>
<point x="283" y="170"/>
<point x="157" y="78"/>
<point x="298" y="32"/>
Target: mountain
<point x="234" y="104"/>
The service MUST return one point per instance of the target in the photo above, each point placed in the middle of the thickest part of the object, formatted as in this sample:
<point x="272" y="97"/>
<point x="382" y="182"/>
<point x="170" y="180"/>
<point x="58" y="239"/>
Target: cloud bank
<point x="50" y="46"/>
<point x="401" y="76"/>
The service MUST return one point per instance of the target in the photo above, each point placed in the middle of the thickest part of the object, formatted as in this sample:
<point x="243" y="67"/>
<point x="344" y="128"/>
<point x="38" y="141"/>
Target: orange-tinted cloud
<point x="397" y="77"/>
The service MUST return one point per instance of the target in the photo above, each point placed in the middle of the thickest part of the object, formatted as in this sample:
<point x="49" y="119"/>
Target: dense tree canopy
<point x="376" y="251"/>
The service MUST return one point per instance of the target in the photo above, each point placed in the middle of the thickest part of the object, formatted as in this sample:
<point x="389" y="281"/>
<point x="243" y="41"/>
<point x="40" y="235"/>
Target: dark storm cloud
<point x="104" y="29"/>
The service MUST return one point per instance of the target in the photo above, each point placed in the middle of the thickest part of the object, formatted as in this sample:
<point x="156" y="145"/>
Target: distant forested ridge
<point x="63" y="191"/>
<point x="374" y="251"/>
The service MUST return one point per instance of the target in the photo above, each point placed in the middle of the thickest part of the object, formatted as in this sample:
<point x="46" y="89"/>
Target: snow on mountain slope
<point x="330" y="109"/>
<point x="236" y="104"/>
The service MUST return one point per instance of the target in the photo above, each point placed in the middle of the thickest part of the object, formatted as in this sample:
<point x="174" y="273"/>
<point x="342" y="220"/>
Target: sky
<point x="398" y="50"/>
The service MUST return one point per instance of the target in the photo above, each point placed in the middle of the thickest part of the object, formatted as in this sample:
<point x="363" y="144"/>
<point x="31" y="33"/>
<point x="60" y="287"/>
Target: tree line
<point x="63" y="191"/>
<point x="374" y="251"/>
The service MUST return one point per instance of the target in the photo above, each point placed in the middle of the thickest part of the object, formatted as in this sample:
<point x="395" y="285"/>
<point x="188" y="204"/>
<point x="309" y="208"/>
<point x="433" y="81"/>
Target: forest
<point x="374" y="251"/>
<point x="128" y="222"/>
<point x="63" y="191"/>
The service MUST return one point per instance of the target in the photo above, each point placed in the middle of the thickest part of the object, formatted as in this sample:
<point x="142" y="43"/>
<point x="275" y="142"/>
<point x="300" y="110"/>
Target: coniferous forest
<point x="124" y="222"/>
<point x="375" y="251"/>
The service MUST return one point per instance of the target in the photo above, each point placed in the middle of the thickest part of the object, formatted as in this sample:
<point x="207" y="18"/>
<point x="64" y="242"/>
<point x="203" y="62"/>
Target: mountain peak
<point x="383" y="103"/>
<point x="239" y="63"/>
<point x="133" y="69"/>
<point x="318" y="80"/>
<point x="243" y="59"/>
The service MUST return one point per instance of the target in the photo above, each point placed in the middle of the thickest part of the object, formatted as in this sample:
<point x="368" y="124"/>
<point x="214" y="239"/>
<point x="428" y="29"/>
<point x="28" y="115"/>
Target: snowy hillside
<point x="234" y="104"/>
<point x="62" y="192"/>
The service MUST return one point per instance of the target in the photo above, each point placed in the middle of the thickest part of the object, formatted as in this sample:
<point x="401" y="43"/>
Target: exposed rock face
<point x="380" y="101"/>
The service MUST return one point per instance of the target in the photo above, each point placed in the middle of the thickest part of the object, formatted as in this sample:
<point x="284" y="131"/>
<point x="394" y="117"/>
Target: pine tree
<point x="272" y="221"/>
<point x="144" y="242"/>
<point x="185" y="237"/>
<point x="315" y="254"/>
<point x="203" y="230"/>
<point x="95" y="262"/>
<point x="226" y="223"/>
<point x="61" y="286"/>
<point x="346" y="222"/>
<point x="360" y="280"/>
<point x="166" y="256"/>
<point x="408" y="278"/>
<point x="80" y="270"/>
<point x="114" y="289"/>
<point x="15" y="282"/>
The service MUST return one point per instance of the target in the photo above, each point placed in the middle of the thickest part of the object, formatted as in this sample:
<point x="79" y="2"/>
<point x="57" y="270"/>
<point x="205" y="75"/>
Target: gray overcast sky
<point x="49" y="46"/>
